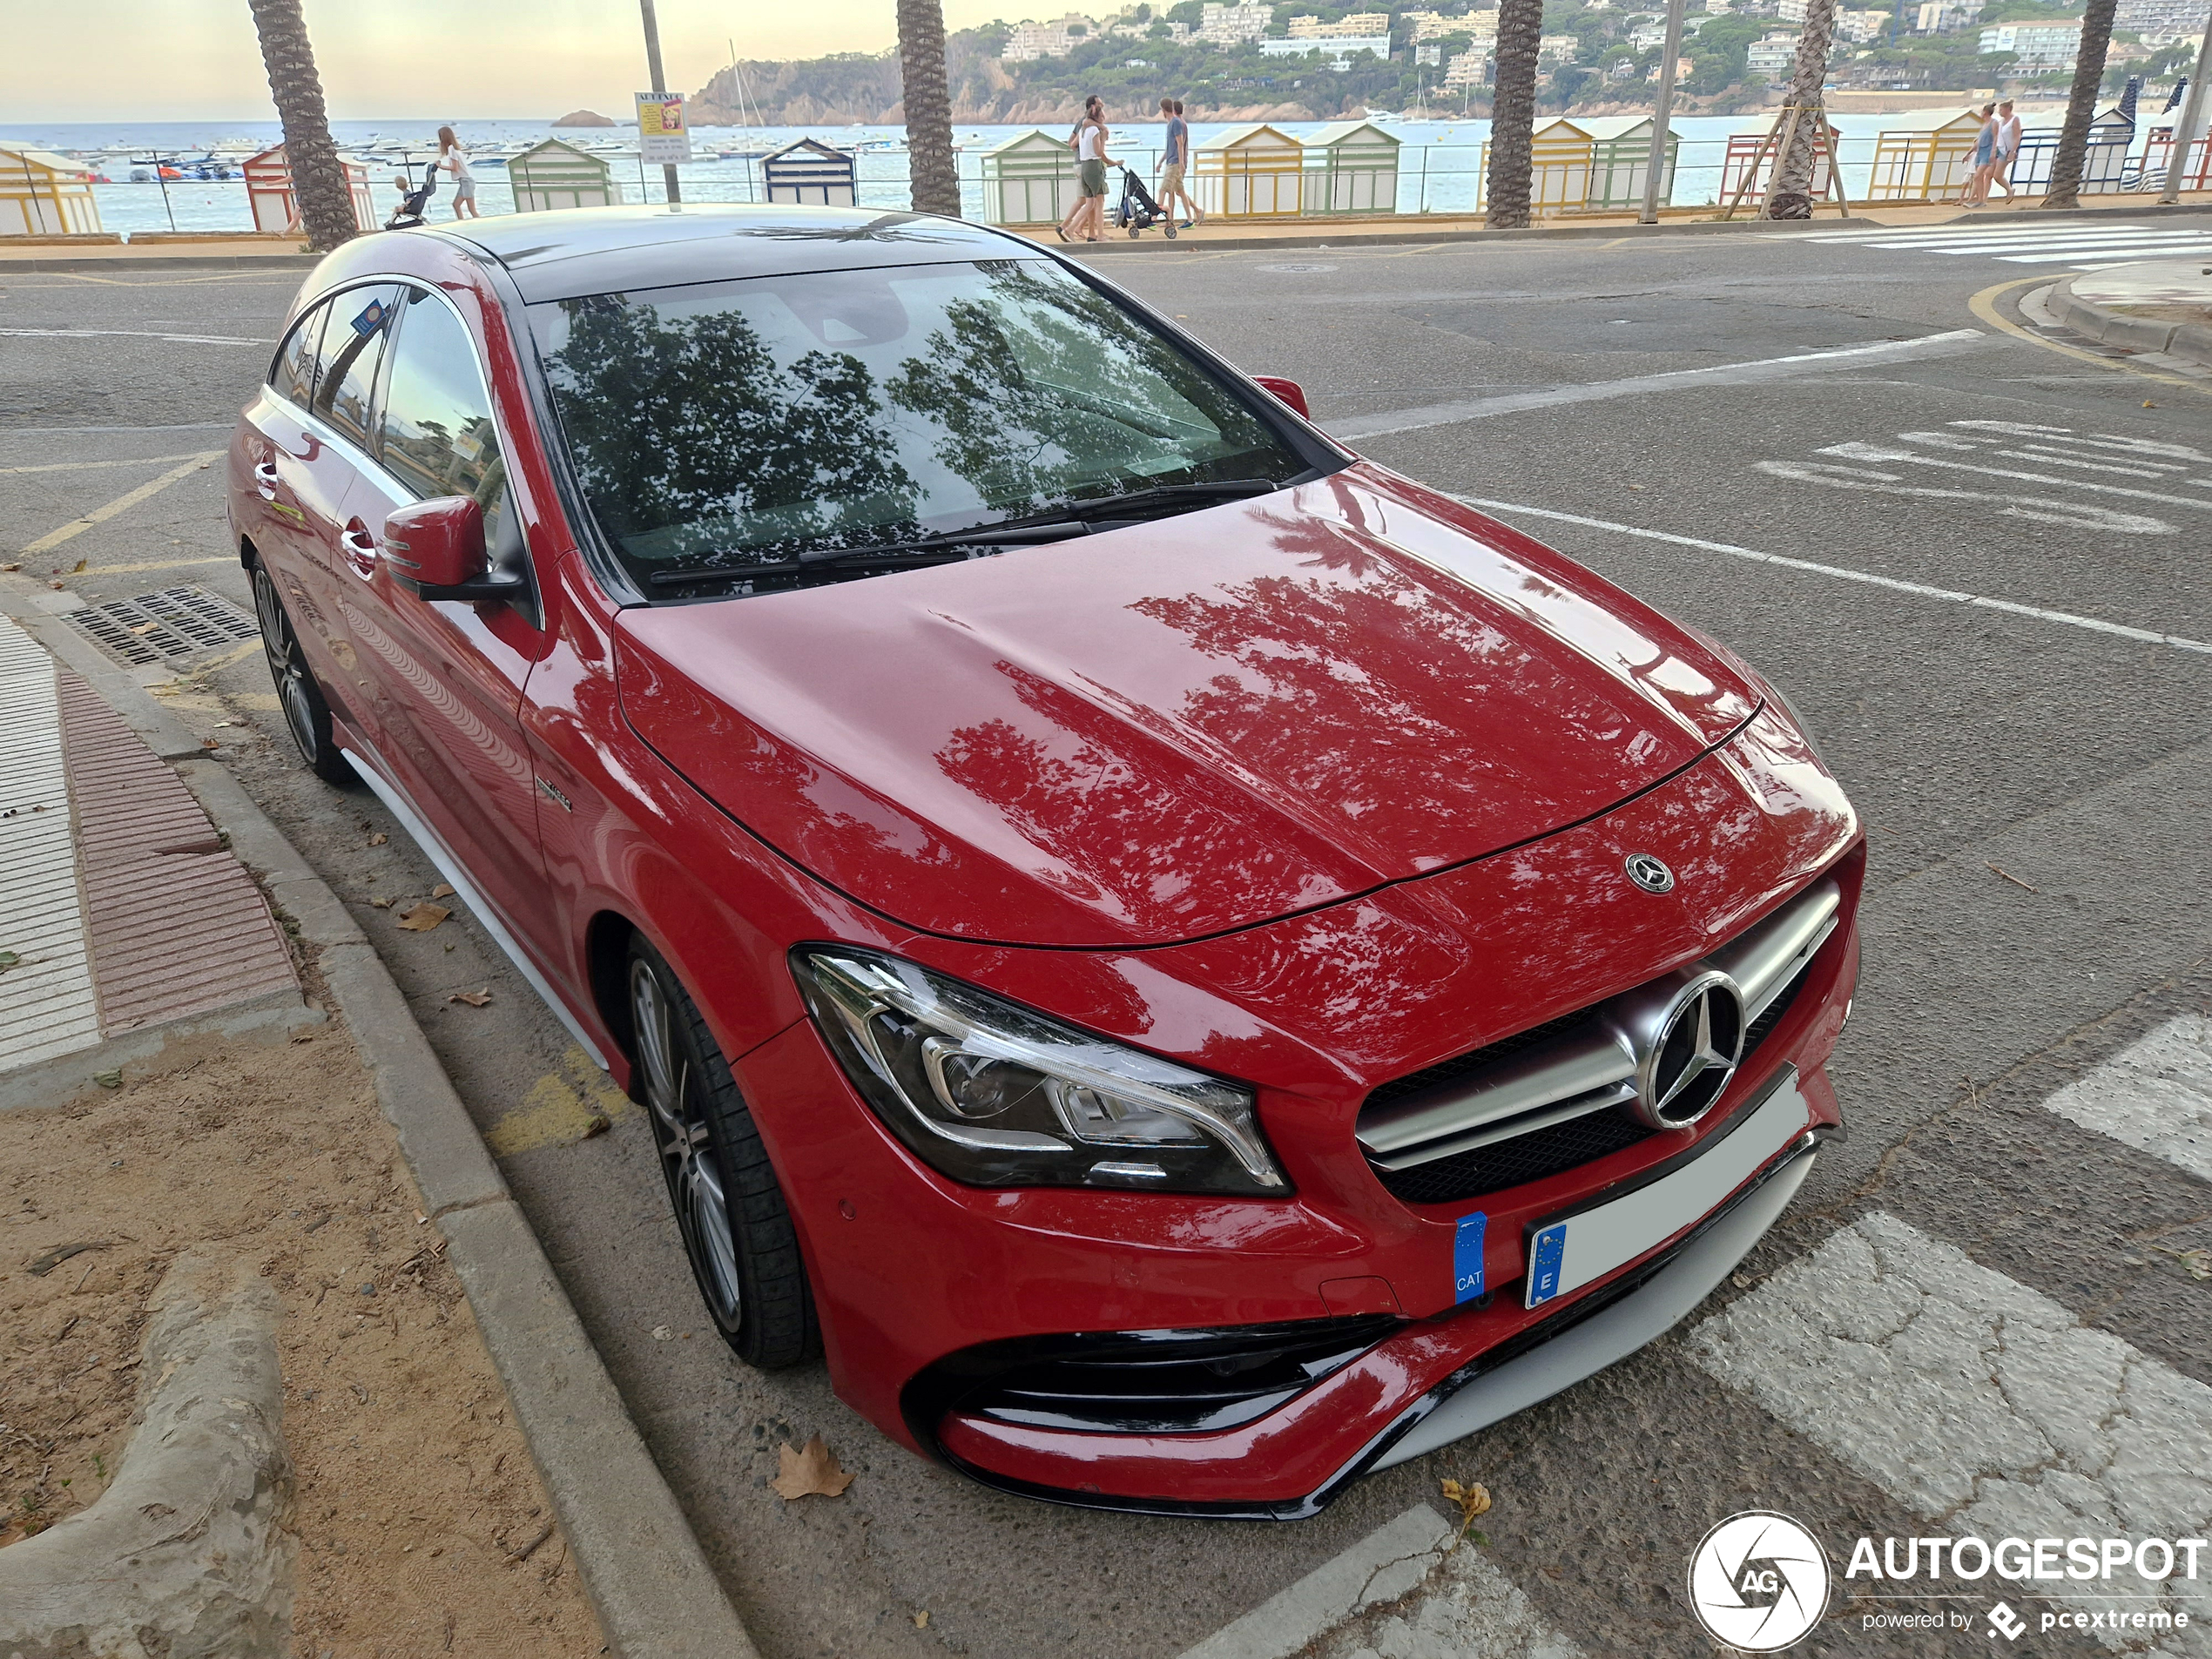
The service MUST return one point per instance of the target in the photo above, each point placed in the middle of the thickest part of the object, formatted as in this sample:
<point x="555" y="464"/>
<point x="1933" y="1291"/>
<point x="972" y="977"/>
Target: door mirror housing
<point x="437" y="547"/>
<point x="1289" y="391"/>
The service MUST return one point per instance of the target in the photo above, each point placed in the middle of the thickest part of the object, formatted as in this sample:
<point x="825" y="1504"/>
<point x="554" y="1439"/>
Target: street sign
<point x="662" y="136"/>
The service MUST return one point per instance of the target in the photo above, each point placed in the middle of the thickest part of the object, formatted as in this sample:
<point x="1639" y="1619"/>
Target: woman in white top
<point x="455" y="160"/>
<point x="1087" y="218"/>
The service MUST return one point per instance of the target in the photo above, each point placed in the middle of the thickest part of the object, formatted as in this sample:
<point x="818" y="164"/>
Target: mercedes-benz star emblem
<point x="1697" y="1052"/>
<point x="1648" y="873"/>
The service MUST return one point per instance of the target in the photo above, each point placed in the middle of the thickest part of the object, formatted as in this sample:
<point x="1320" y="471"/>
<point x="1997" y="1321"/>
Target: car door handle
<point x="360" y="549"/>
<point x="265" y="480"/>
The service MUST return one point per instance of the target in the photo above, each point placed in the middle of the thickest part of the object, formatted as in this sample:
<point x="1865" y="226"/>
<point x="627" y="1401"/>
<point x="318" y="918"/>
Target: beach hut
<point x="1352" y="169"/>
<point x="1029" y="179"/>
<point x="554" y="175"/>
<point x="1749" y="164"/>
<point x="1620" y="158"/>
<point x="1251" y="172"/>
<point x="2104" y="164"/>
<point x="43" y="194"/>
<point x="268" y="192"/>
<point x="1559" y="167"/>
<point x="809" y="172"/>
<point x="1931" y="162"/>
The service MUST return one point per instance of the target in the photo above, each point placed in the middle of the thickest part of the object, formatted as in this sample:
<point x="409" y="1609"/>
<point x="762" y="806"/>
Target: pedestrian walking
<point x="1977" y="190"/>
<point x="2008" y="146"/>
<point x="454" y="157"/>
<point x="1086" y="221"/>
<point x="1173" y="159"/>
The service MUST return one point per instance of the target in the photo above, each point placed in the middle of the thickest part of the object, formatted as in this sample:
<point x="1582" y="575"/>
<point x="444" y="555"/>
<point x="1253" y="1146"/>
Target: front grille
<point x="1559" y="1095"/>
<point x="1515" y="1163"/>
<point x="1148" y="1382"/>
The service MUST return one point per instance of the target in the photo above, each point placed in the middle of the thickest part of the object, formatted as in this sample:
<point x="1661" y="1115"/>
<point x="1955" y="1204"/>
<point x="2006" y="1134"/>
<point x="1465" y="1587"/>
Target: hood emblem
<point x="1648" y="873"/>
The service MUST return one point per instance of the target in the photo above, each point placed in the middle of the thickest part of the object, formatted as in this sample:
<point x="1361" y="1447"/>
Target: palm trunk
<point x="928" y="107"/>
<point x="1791" y="196"/>
<point x="318" y="177"/>
<point x="1513" y="111"/>
<point x="2081" y="105"/>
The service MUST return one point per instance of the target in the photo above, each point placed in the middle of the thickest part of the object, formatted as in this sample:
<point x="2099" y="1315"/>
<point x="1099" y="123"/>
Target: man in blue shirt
<point x="1172" y="160"/>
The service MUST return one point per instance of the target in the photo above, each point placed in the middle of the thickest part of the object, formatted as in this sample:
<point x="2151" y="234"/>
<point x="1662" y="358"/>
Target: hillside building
<point x="2044" y="48"/>
<point x="1030" y="40"/>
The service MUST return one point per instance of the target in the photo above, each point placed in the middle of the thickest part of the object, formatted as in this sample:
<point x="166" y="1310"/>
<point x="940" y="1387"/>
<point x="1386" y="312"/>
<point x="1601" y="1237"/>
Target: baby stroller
<point x="1138" y="211"/>
<point x="416" y="203"/>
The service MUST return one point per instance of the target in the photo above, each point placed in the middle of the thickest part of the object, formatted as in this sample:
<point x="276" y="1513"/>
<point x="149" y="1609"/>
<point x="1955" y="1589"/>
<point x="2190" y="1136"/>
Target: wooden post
<point x="1781" y="150"/>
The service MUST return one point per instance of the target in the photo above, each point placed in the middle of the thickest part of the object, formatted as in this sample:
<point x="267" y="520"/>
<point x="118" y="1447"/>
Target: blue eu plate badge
<point x="1467" y="1257"/>
<point x="1546" y="1252"/>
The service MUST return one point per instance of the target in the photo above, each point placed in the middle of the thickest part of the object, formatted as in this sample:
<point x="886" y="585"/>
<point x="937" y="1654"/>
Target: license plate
<point x="1572" y="1250"/>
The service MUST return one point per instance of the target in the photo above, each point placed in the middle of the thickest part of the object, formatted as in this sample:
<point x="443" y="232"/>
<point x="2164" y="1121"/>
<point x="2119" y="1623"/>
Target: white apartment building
<point x="1225" y="25"/>
<point x="1932" y="16"/>
<point x="1469" y="68"/>
<point x="1648" y="35"/>
<point x="1859" y="27"/>
<point x="1790" y="10"/>
<point x="1053" y="39"/>
<point x="1558" y="48"/>
<point x="1342" y="48"/>
<point x="1359" y="25"/>
<point x="1773" y="57"/>
<point x="2042" y="47"/>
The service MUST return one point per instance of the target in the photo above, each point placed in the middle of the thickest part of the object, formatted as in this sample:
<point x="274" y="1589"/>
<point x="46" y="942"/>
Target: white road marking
<point x="2041" y="509"/>
<point x="2156" y="1095"/>
<point x="1977" y="1403"/>
<point x="2086" y="247"/>
<point x="47" y="1004"/>
<point x="1768" y="368"/>
<point x="1459" y="1606"/>
<point x="2095" y="624"/>
<point x="130" y="334"/>
<point x="2111" y="441"/>
<point x="1857" y="451"/>
<point x="87" y="466"/>
<point x="100" y="515"/>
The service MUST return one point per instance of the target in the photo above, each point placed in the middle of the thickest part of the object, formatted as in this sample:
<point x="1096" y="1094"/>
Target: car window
<point x="754" y="421"/>
<point x="353" y="345"/>
<point x="293" y="376"/>
<point x="438" y="437"/>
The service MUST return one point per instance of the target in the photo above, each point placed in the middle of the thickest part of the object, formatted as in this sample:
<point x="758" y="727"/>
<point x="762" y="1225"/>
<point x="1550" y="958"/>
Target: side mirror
<point x="1289" y="391"/>
<point x="437" y="547"/>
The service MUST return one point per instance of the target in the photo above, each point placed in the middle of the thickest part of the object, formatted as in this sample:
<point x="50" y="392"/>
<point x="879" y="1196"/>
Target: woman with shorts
<point x="1086" y="219"/>
<point x="455" y="160"/>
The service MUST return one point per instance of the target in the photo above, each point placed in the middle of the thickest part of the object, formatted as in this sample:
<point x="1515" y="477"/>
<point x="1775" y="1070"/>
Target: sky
<point x="162" y="60"/>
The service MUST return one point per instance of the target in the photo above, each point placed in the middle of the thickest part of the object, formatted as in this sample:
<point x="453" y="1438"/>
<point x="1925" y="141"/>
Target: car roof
<point x="572" y="252"/>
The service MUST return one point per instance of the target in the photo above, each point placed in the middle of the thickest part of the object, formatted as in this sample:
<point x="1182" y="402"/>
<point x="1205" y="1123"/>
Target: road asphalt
<point x="1970" y="548"/>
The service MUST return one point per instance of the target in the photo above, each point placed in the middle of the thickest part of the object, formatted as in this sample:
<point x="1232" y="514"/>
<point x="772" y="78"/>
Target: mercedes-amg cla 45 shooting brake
<point x="1188" y="966"/>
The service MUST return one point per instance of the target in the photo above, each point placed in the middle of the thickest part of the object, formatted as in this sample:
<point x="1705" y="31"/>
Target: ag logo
<point x="1758" y="1582"/>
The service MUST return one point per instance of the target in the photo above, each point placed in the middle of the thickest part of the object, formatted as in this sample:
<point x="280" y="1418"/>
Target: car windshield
<point x="764" y="425"/>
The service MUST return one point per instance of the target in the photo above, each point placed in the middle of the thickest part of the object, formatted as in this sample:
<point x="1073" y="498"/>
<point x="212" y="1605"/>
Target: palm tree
<point x="1513" y="111"/>
<point x="2081" y="104"/>
<point x="1791" y="194"/>
<point x="318" y="177"/>
<point x="928" y="106"/>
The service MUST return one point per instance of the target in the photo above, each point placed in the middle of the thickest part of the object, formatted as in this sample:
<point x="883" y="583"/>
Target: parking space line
<point x="87" y="466"/>
<point x="53" y="539"/>
<point x="130" y="334"/>
<point x="2155" y="1095"/>
<point x="2095" y="624"/>
<point x="1476" y="1612"/>
<point x="1975" y="1401"/>
<point x="156" y="564"/>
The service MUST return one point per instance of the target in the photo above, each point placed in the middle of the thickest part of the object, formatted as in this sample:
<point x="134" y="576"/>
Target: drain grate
<point x="164" y="626"/>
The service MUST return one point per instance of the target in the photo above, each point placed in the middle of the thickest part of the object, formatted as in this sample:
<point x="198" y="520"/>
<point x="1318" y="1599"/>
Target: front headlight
<point x="991" y="1094"/>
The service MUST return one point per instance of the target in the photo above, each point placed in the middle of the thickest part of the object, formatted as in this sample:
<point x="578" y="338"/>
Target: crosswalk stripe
<point x="2083" y="247"/>
<point x="1947" y="231"/>
<point x="1974" y="1401"/>
<point x="2155" y="1095"/>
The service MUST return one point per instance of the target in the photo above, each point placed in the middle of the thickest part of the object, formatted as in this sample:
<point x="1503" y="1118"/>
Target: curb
<point x="1389" y="239"/>
<point x="2190" y="341"/>
<point x="648" y="1579"/>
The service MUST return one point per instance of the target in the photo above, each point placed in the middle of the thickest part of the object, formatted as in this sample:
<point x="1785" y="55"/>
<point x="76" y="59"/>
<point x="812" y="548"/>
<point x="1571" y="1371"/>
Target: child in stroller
<point x="414" y="200"/>
<point x="1137" y="211"/>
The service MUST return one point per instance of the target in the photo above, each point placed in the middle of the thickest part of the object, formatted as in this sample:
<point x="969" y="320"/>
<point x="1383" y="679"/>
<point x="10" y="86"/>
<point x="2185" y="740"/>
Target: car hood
<point x="1176" y="729"/>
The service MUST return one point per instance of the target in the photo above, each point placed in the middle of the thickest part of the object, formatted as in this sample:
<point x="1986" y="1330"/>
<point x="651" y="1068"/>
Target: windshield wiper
<point x="1170" y="495"/>
<point x="928" y="549"/>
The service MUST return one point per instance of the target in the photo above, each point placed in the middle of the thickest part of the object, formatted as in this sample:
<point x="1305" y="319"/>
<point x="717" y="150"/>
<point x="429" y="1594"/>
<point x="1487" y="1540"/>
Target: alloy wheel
<point x="676" y="1097"/>
<point x="286" y="667"/>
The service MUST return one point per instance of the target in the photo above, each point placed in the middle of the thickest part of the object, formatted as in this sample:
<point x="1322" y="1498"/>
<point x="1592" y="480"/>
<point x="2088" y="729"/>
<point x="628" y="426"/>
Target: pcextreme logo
<point x="1758" y="1582"/>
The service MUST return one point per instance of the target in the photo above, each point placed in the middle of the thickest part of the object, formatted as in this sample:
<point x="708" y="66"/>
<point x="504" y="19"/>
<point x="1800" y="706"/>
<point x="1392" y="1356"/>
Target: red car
<point x="1190" y="966"/>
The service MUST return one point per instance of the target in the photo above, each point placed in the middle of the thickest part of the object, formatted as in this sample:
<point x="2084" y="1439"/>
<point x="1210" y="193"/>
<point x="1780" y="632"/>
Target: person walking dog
<point x="455" y="160"/>
<point x="1173" y="159"/>
<point x="1086" y="221"/>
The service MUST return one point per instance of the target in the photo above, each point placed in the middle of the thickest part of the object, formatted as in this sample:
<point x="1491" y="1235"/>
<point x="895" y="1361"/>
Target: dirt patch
<point x="422" y="1524"/>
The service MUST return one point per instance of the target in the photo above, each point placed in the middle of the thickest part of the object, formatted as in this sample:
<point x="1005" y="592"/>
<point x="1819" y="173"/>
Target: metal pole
<point x="2185" y="129"/>
<point x="1650" y="213"/>
<point x="652" y="64"/>
<point x="167" y="207"/>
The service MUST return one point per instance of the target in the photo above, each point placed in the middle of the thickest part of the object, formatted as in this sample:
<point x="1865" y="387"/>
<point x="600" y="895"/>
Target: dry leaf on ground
<point x="378" y="838"/>
<point x="474" y="999"/>
<point x="443" y="890"/>
<point x="420" y="918"/>
<point x="809" y="1472"/>
<point x="1473" y="1500"/>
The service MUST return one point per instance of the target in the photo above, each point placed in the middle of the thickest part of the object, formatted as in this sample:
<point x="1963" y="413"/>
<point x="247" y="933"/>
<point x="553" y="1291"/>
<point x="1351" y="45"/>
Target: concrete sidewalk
<point x="2158" y="306"/>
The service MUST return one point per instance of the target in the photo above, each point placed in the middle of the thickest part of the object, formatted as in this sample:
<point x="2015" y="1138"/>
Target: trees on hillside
<point x="928" y="106"/>
<point x="317" y="176"/>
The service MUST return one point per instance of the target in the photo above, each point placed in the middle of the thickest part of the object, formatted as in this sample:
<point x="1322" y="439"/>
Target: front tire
<point x="736" y="1227"/>
<point x="307" y="713"/>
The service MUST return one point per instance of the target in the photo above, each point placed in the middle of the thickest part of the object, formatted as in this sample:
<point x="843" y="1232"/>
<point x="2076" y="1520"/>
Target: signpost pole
<point x="660" y="86"/>
<point x="2185" y="126"/>
<point x="1650" y="213"/>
